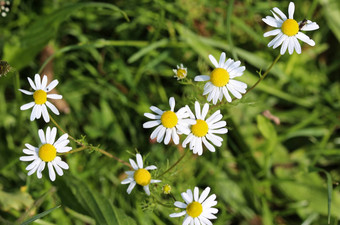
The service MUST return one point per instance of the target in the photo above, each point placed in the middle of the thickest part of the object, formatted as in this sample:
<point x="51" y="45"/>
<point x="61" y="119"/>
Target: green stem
<point x="264" y="75"/>
<point x="175" y="164"/>
<point x="84" y="146"/>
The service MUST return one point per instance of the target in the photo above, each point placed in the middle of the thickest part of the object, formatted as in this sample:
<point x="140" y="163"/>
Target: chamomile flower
<point x="4" y="7"/>
<point x="220" y="81"/>
<point x="181" y="72"/>
<point x="288" y="30"/>
<point x="169" y="123"/>
<point x="40" y="98"/>
<point x="47" y="153"/>
<point x="205" y="130"/>
<point x="198" y="209"/>
<point x="139" y="175"/>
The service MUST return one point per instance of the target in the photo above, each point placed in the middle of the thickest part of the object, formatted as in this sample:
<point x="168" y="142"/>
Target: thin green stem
<point x="264" y="75"/>
<point x="84" y="146"/>
<point x="175" y="164"/>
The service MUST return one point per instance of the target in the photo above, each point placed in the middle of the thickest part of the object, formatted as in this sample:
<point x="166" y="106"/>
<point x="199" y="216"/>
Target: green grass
<point x="113" y="61"/>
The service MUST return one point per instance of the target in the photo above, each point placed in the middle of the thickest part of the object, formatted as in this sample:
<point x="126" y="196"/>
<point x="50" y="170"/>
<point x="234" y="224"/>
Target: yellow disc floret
<point x="290" y="27"/>
<point x="40" y="97"/>
<point x="142" y="177"/>
<point x="200" y="129"/>
<point x="167" y="189"/>
<point x="169" y="119"/>
<point x="219" y="77"/>
<point x="181" y="73"/>
<point x="47" y="152"/>
<point x="194" y="209"/>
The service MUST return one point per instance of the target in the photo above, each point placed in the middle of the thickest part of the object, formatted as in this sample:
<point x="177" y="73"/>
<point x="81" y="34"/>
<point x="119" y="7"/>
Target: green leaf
<point x="21" y="51"/>
<point x="40" y="215"/>
<point x="266" y="127"/>
<point x="91" y="202"/>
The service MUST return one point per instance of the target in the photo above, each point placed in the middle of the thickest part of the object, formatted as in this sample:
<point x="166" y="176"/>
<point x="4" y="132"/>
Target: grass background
<point x="114" y="59"/>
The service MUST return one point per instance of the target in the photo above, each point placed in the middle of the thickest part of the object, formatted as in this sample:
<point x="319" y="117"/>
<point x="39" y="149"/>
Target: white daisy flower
<point x="47" y="153"/>
<point x="169" y="123"/>
<point x="221" y="80"/>
<point x="198" y="209"/>
<point x="181" y="72"/>
<point x="40" y="98"/>
<point x="289" y="30"/>
<point x="205" y="129"/>
<point x="139" y="175"/>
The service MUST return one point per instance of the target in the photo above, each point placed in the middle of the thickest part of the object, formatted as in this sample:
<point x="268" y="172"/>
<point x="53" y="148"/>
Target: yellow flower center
<point x="142" y="177"/>
<point x="169" y="119"/>
<point x="47" y="152"/>
<point x="194" y="209"/>
<point x="290" y="27"/>
<point x="181" y="73"/>
<point x="219" y="77"/>
<point x="200" y="129"/>
<point x="166" y="189"/>
<point x="40" y="97"/>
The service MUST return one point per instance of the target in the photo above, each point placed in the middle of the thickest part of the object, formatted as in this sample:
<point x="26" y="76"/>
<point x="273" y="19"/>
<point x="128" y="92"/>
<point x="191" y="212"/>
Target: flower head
<point x="288" y="30"/>
<point x="205" y="130"/>
<point x="198" y="209"/>
<point x="139" y="175"/>
<point x="40" y="98"/>
<point x="220" y="81"/>
<point x="166" y="189"/>
<point x="4" y="7"/>
<point x="181" y="72"/>
<point x="47" y="153"/>
<point x="169" y="123"/>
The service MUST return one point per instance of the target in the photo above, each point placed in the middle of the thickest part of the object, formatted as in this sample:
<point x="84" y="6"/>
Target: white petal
<point x="146" y="189"/>
<point x="209" y="146"/>
<point x="155" y="132"/>
<point x="54" y="96"/>
<point x="305" y="38"/>
<point x="180" y="205"/>
<point x="31" y="83"/>
<point x="228" y="63"/>
<point x="152" y="167"/>
<point x="218" y="125"/>
<point x="310" y="26"/>
<point x="52" y="107"/>
<point x="139" y="161"/>
<point x="175" y="136"/>
<point x="131" y="186"/>
<point x="156" y="110"/>
<point x="219" y="131"/>
<point x="284" y="46"/>
<point x="226" y="94"/>
<point x="160" y="135"/>
<point x="133" y="164"/>
<point x="297" y="45"/>
<point x="167" y="136"/>
<point x="205" y="221"/>
<point x="39" y="111"/>
<point x="281" y="14"/>
<point x="40" y="169"/>
<point x="271" y="21"/>
<point x="43" y="82"/>
<point x="291" y="45"/>
<point x="198" y="110"/>
<point x="202" y="78"/>
<point x="52" y="136"/>
<point x="212" y="118"/>
<point x="196" y="194"/>
<point x="155" y="181"/>
<point x="27" y="106"/>
<point x="186" y="197"/>
<point x="280" y="40"/>
<point x="151" y="124"/>
<point x="34" y="112"/>
<point x="51" y="171"/>
<point x="187" y="140"/>
<point x="222" y="60"/>
<point x="26" y="92"/>
<point x="45" y="113"/>
<point x="57" y="169"/>
<point x="61" y="164"/>
<point x="214" y="140"/>
<point x="233" y="91"/>
<point x="127" y="180"/>
<point x="152" y="116"/>
<point x="273" y="42"/>
<point x="272" y="33"/>
<point x="291" y="9"/>
<point x="37" y="81"/>
<point x="187" y="220"/>
<point x="178" y="214"/>
<point x="27" y="158"/>
<point x="213" y="61"/>
<point x="204" y="194"/>
<point x="172" y="103"/>
<point x="30" y="147"/>
<point x="205" y="111"/>
<point x="52" y="85"/>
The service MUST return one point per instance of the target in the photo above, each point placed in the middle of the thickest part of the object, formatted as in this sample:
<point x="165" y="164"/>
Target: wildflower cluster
<point x="194" y="127"/>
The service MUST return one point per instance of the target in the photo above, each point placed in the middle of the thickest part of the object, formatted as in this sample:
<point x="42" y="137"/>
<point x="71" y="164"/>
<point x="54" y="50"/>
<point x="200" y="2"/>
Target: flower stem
<point x="85" y="146"/>
<point x="175" y="164"/>
<point x="264" y="75"/>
